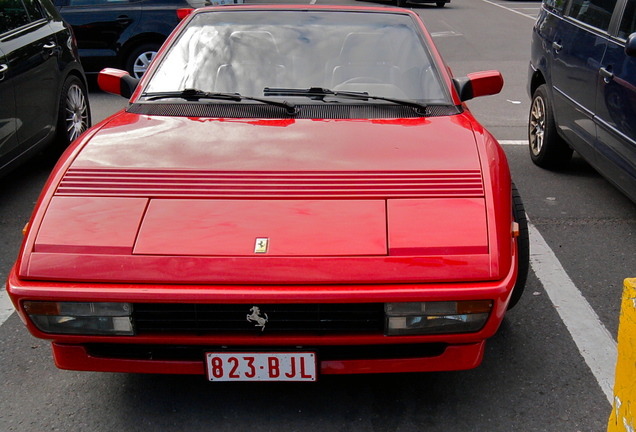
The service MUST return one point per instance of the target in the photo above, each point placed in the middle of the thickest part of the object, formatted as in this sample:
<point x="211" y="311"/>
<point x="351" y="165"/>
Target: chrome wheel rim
<point x="537" y="125"/>
<point x="142" y="62"/>
<point x="76" y="112"/>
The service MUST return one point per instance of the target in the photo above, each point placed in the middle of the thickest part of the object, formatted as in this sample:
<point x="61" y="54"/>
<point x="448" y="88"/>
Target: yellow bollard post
<point x="624" y="406"/>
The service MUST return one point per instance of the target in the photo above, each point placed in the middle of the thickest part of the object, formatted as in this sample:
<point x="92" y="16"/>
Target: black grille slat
<point x="204" y="318"/>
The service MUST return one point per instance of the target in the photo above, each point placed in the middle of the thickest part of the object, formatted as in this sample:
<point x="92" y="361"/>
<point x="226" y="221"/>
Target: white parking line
<point x="595" y="343"/>
<point x="511" y="10"/>
<point x="514" y="142"/>
<point x="6" y="307"/>
<point x="448" y="33"/>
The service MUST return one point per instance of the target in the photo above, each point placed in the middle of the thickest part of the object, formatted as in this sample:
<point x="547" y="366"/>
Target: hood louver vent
<point x="237" y="185"/>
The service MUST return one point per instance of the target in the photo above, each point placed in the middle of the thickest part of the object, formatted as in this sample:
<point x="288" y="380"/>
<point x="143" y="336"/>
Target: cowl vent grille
<point x="237" y="185"/>
<point x="309" y="111"/>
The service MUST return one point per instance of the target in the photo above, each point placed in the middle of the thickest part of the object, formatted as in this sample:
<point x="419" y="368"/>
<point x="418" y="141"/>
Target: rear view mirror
<point x="479" y="84"/>
<point x="117" y="81"/>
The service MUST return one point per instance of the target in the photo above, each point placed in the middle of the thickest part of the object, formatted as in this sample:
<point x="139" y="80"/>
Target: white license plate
<point x="242" y="366"/>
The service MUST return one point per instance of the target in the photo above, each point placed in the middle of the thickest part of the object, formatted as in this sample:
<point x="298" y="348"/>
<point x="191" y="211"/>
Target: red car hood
<point x="179" y="143"/>
<point x="182" y="200"/>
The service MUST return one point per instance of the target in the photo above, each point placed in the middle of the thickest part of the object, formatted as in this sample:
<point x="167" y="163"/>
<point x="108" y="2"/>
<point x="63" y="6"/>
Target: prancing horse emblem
<point x="255" y="316"/>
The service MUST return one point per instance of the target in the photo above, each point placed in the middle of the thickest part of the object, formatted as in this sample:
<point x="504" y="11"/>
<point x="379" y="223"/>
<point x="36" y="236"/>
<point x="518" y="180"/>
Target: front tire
<point x="74" y="115"/>
<point x="547" y="148"/>
<point x="400" y="3"/>
<point x="440" y="4"/>
<point x="523" y="248"/>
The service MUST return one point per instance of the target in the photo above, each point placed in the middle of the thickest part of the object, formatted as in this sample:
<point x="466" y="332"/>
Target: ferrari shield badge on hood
<point x="261" y="245"/>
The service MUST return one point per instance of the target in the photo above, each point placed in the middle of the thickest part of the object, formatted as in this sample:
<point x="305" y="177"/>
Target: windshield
<point x="246" y="51"/>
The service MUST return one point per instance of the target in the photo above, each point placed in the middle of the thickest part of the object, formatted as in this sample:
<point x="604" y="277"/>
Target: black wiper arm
<point x="192" y="94"/>
<point x="195" y="95"/>
<point x="321" y="93"/>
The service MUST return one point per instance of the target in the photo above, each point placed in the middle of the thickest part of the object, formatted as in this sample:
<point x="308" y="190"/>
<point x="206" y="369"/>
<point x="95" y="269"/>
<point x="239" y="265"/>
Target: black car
<point x="43" y="94"/>
<point x="125" y="34"/>
<point x="582" y="81"/>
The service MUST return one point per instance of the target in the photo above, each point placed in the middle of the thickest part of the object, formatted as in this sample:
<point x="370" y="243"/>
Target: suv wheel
<point x="547" y="148"/>
<point x="139" y="59"/>
<point x="440" y="4"/>
<point x="74" y="115"/>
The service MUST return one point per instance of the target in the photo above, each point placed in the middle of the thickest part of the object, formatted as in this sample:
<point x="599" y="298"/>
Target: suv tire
<point x="547" y="148"/>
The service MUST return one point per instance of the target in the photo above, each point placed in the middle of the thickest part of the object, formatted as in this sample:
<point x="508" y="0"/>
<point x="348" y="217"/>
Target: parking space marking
<point x="595" y="343"/>
<point x="448" y="33"/>
<point x="514" y="142"/>
<point x="6" y="307"/>
<point x="510" y="9"/>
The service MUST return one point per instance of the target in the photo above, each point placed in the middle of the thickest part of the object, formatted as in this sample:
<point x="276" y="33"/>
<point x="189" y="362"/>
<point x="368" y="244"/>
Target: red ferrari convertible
<point x="292" y="191"/>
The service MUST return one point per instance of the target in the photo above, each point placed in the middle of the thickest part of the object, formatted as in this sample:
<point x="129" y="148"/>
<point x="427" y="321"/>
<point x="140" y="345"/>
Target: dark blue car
<point x="582" y="82"/>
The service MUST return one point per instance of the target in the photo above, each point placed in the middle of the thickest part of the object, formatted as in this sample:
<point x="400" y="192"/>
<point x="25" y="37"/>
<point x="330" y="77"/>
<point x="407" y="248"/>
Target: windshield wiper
<point x="320" y="93"/>
<point x="195" y="95"/>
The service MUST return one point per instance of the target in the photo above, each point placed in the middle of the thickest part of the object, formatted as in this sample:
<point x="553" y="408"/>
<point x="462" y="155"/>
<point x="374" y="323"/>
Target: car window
<point x="33" y="9"/>
<point x="382" y="54"/>
<point x="628" y="23"/>
<point x="555" y="5"/>
<point x="597" y="13"/>
<point x="13" y="14"/>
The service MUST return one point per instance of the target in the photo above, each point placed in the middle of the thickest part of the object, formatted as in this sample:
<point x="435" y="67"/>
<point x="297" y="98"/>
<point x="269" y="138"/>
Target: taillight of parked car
<point x="182" y="13"/>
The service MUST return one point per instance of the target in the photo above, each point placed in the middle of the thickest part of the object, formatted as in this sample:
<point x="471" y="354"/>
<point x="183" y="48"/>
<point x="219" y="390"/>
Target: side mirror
<point x="117" y="81"/>
<point x="479" y="84"/>
<point x="630" y="46"/>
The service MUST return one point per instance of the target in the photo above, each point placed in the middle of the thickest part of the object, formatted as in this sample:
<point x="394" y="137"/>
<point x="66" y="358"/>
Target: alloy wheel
<point x="142" y="62"/>
<point x="537" y="125"/>
<point x="76" y="112"/>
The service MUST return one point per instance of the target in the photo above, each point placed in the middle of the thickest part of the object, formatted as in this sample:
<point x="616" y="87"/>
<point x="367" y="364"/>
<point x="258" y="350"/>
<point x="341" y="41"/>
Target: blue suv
<point x="582" y="81"/>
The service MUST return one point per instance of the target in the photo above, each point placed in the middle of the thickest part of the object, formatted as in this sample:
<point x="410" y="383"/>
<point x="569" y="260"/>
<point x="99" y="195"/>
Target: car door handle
<point x="557" y="46"/>
<point x="49" y="45"/>
<point x="124" y="19"/>
<point x="607" y="74"/>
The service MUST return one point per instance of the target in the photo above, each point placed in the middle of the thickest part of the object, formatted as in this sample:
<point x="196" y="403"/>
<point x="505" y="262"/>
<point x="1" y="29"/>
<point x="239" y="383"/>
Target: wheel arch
<point x="536" y="79"/>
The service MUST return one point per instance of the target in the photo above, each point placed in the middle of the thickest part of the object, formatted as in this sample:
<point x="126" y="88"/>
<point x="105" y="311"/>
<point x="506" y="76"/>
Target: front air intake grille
<point x="325" y="353"/>
<point x="309" y="111"/>
<point x="281" y="318"/>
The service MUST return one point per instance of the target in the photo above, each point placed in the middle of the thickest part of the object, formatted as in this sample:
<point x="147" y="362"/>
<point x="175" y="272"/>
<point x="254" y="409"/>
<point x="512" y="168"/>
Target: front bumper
<point x="376" y="353"/>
